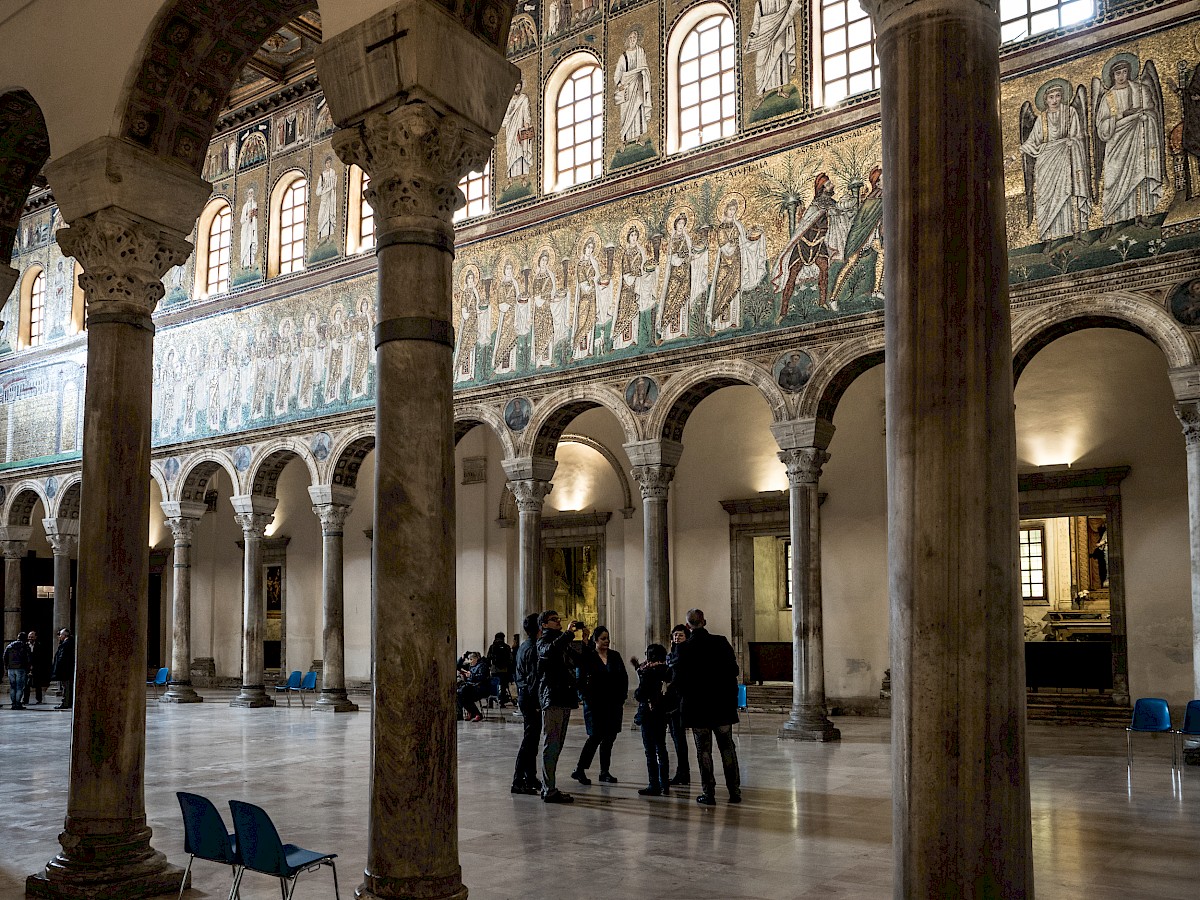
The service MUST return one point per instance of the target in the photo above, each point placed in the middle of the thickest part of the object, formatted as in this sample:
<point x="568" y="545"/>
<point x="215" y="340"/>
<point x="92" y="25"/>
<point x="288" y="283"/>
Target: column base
<point x="251" y="696"/>
<point x="180" y="692"/>
<point x="809" y="727"/>
<point x="334" y="701"/>
<point x="378" y="887"/>
<point x="102" y="864"/>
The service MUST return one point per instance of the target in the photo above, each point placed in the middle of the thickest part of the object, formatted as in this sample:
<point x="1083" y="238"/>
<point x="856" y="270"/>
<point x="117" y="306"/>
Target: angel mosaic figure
<point x="1057" y="167"/>
<point x="686" y="278"/>
<point x="1128" y="136"/>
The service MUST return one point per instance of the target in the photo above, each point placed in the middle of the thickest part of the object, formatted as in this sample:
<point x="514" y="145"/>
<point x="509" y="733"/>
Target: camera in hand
<point x="577" y="625"/>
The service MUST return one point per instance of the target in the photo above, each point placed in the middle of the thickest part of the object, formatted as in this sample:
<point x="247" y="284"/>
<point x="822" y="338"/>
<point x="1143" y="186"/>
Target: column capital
<point x="523" y="468"/>
<point x="530" y="493"/>
<point x="1185" y="383"/>
<point x="885" y="13"/>
<point x="65" y="527"/>
<point x="187" y="509"/>
<point x="792" y="434"/>
<point x="62" y="544"/>
<point x="803" y="464"/>
<point x="321" y="494"/>
<point x="654" y="453"/>
<point x="253" y="513"/>
<point x="1188" y="413"/>
<point x="332" y="516"/>
<point x="654" y="480"/>
<point x="13" y="535"/>
<point x="183" y="529"/>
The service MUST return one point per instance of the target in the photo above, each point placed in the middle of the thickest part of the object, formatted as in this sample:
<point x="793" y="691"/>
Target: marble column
<point x="809" y="719"/>
<point x="1188" y="412"/>
<point x="182" y="518"/>
<point x="654" y="465"/>
<point x="128" y="212"/>
<point x="14" y="540"/>
<point x="63" y="537"/>
<point x="331" y="504"/>
<point x="529" y="479"/>
<point x="253" y="514"/>
<point x="417" y="101"/>
<point x="960" y="787"/>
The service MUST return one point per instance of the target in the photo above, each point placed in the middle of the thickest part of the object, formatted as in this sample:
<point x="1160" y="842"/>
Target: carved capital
<point x="803" y="464"/>
<point x="415" y="157"/>
<point x="530" y="492"/>
<point x="183" y="529"/>
<point x="885" y="13"/>
<point x="254" y="525"/>
<point x="62" y="544"/>
<point x="655" y="481"/>
<point x="1189" y="417"/>
<point x="124" y="258"/>
<point x="14" y="549"/>
<point x="332" y="516"/>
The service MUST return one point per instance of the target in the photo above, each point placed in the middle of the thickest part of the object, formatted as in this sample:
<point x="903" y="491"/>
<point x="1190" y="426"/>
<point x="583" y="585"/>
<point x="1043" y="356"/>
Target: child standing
<point x="651" y="694"/>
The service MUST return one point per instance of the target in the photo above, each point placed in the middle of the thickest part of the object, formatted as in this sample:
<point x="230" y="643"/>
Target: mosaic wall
<point x="41" y="412"/>
<point x="1102" y="165"/>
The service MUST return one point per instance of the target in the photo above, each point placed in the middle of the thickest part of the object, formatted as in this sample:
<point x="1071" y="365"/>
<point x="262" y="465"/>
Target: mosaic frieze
<point x="41" y="410"/>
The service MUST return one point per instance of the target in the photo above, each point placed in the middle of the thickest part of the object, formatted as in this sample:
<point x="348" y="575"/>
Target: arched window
<point x="360" y="233"/>
<point x="702" y="78"/>
<point x="289" y="223"/>
<point x="846" y="63"/>
<point x="79" y="304"/>
<point x="214" y="242"/>
<point x="477" y="188"/>
<point x="574" y="110"/>
<point x="1020" y="19"/>
<point x="37" y="310"/>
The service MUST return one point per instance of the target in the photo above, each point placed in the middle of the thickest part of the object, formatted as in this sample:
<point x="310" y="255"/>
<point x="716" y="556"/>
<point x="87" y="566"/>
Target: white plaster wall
<point x="217" y="585"/>
<point x="294" y="519"/>
<point x="356" y="576"/>
<point x="476" y="609"/>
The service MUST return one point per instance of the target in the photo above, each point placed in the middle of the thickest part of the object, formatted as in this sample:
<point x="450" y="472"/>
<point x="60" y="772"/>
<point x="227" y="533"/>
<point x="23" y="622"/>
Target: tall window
<point x="579" y="127"/>
<point x="220" y="239"/>
<point x="366" y="217"/>
<point x="1033" y="565"/>
<point x="477" y="188"/>
<point x="37" y="310"/>
<point x="292" y="221"/>
<point x="848" y="64"/>
<point x="705" y="84"/>
<point x="1020" y="19"/>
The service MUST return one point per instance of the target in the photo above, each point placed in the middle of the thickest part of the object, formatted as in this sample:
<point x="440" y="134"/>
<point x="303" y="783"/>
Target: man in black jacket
<point x="17" y="661"/>
<point x="525" y="780"/>
<point x="558" y="691"/>
<point x="64" y="667"/>
<point x="705" y="676"/>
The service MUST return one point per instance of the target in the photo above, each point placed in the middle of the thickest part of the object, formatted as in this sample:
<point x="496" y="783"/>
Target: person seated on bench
<point x="476" y="684"/>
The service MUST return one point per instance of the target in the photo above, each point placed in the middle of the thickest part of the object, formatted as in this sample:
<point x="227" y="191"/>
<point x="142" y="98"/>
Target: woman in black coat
<point x="604" y="693"/>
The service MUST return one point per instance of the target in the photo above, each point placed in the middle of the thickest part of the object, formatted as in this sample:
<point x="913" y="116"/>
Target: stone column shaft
<point x="960" y="789"/>
<point x="14" y="540"/>
<point x="63" y="536"/>
<point x="529" y="480"/>
<point x="333" y="640"/>
<point x="1189" y="417"/>
<point x="809" y="720"/>
<point x="253" y="514"/>
<point x="128" y="213"/>
<point x="182" y="519"/>
<point x="655" y="482"/>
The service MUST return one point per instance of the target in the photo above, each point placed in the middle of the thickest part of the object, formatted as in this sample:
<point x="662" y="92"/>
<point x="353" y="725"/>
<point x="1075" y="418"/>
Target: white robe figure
<point x="518" y="140"/>
<point x="773" y="41"/>
<point x="249" y="235"/>
<point x="326" y="203"/>
<point x="1129" y="123"/>
<point x="741" y="264"/>
<point x="1060" y="174"/>
<point x="685" y="279"/>
<point x="633" y="96"/>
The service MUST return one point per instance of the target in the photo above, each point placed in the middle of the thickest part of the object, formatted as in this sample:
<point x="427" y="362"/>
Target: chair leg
<point x="292" y="889"/>
<point x="336" y="895"/>
<point x="184" y="882"/>
<point x="235" y="892"/>
<point x="302" y="703"/>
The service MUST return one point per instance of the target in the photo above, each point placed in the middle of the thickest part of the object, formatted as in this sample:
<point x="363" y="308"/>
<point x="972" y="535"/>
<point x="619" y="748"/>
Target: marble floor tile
<point x="816" y="821"/>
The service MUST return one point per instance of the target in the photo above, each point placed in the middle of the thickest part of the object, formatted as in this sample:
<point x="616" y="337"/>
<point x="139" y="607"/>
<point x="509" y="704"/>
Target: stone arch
<point x="684" y="391"/>
<point x="467" y="417"/>
<point x="269" y="463"/>
<point x="834" y="374"/>
<point x="557" y="411"/>
<point x="69" y="496"/>
<point x="611" y="457"/>
<point x="22" y="498"/>
<point x="196" y="474"/>
<point x="348" y="455"/>
<point x="24" y="149"/>
<point x="1034" y="329"/>
<point x="159" y="477"/>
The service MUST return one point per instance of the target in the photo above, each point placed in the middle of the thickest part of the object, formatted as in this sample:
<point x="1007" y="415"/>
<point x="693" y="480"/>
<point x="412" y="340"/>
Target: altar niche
<point x="1072" y="584"/>
<point x="274" y="600"/>
<point x="574" y="567"/>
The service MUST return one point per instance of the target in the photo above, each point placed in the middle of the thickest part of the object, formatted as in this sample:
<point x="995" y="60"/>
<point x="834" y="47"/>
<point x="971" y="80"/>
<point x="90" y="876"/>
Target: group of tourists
<point x="30" y="671"/>
<point x="483" y="677"/>
<point x="693" y="687"/>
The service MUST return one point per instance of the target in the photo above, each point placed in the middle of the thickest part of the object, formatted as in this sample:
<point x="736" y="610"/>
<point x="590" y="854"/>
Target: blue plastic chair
<point x="1189" y="729"/>
<point x="263" y="851"/>
<point x="741" y="696"/>
<point x="204" y="835"/>
<point x="308" y="683"/>
<point x="1150" y="716"/>
<point x="292" y="684"/>
<point x="159" y="681"/>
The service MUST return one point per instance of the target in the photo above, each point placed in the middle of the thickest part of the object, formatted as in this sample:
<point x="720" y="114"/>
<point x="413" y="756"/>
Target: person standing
<point x="64" y="667"/>
<point x="39" y="669"/>
<point x="16" y="661"/>
<point x="679" y="737"/>
<point x="653" y="702"/>
<point x="705" y="677"/>
<point x="605" y="690"/>
<point x="558" y="658"/>
<point x="525" y="780"/>
<point x="500" y="658"/>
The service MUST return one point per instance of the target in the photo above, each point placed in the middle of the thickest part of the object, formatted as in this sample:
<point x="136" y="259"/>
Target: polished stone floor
<point x="816" y="821"/>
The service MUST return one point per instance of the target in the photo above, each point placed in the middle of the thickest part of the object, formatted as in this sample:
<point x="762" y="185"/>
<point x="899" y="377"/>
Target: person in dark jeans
<point x="605" y="689"/>
<point x="39" y="669"/>
<point x="64" y="667"/>
<point x="476" y="684"/>
<point x="17" y="661"/>
<point x="679" y="735"/>
<point x="500" y="658"/>
<point x="525" y="780"/>
<point x="705" y="677"/>
<point x="653" y="703"/>
<point x="559" y="658"/>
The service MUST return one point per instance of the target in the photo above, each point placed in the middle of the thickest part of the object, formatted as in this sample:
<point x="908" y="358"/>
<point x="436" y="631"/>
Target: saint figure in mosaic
<point x="468" y="329"/>
<point x="545" y="292"/>
<point x="1130" y="151"/>
<point x="740" y="266"/>
<point x="1055" y="154"/>
<point x="508" y="290"/>
<point x="686" y="278"/>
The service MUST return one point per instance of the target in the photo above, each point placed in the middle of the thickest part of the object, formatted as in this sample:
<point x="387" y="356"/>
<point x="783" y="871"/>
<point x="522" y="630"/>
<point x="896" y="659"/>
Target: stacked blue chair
<point x="1150" y="716"/>
<point x="159" y="681"/>
<point x="309" y="684"/>
<point x="292" y="684"/>
<point x="204" y="835"/>
<point x="262" y="850"/>
<point x="1190" y="729"/>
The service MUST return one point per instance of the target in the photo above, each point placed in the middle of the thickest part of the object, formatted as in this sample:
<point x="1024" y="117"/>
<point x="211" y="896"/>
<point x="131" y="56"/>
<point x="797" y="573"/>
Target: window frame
<point x="279" y="193"/>
<point x="203" y="238"/>
<point x="483" y="176"/>
<point x="356" y="214"/>
<point x="1029" y="14"/>
<point x="817" y="71"/>
<point x="25" y="303"/>
<point x="679" y="34"/>
<point x="559" y="76"/>
<point x="1030" y="599"/>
